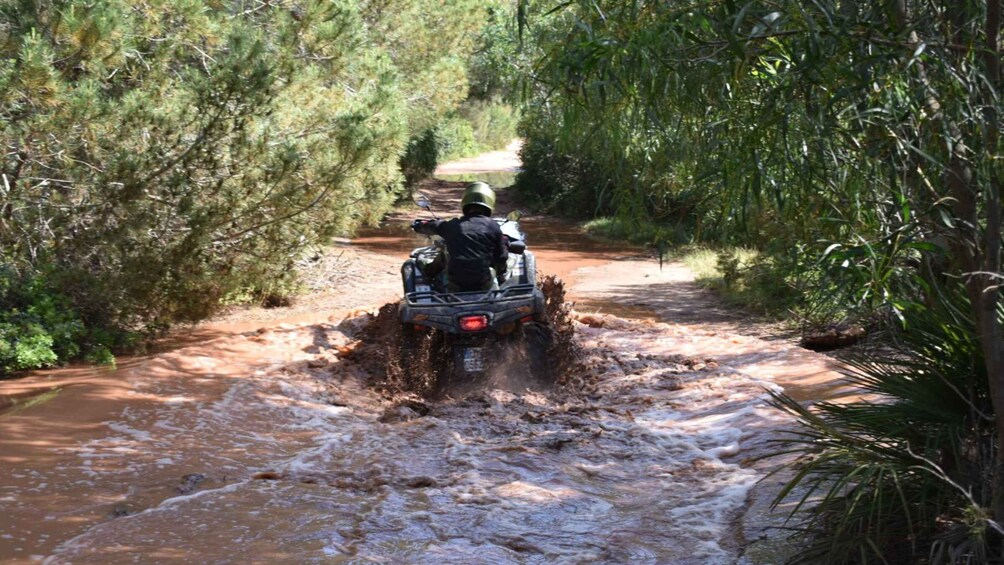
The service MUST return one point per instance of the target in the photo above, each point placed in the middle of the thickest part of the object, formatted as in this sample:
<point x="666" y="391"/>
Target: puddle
<point x="638" y="460"/>
<point x="620" y="310"/>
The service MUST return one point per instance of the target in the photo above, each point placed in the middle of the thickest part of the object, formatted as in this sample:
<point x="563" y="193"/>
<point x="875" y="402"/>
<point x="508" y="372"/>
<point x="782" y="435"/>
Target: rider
<point x="474" y="242"/>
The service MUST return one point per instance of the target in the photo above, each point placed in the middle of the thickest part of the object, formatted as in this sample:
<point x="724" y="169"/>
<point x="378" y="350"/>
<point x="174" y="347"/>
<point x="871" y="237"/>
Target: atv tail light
<point x="473" y="323"/>
<point x="526" y="319"/>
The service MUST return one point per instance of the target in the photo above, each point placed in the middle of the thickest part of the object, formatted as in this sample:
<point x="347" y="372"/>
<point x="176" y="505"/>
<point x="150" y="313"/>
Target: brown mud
<point x="279" y="436"/>
<point x="301" y="461"/>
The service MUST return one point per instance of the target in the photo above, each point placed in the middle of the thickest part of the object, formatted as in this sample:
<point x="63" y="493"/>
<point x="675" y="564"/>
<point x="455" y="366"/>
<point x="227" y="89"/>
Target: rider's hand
<point x="415" y="224"/>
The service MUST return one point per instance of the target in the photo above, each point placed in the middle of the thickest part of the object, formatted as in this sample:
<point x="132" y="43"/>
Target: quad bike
<point x="475" y="333"/>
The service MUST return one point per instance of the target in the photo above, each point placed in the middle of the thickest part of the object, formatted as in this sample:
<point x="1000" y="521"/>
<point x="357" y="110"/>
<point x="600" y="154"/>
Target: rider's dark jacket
<point x="474" y="244"/>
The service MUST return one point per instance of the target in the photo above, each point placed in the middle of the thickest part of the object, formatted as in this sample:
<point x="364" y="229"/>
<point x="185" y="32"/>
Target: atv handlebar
<point x="423" y="227"/>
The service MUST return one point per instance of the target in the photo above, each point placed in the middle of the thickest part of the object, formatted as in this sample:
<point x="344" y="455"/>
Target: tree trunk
<point x="988" y="283"/>
<point x="976" y="246"/>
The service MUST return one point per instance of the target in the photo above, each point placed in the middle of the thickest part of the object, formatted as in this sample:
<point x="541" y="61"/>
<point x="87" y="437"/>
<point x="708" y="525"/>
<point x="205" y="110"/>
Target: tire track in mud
<point x="639" y="459"/>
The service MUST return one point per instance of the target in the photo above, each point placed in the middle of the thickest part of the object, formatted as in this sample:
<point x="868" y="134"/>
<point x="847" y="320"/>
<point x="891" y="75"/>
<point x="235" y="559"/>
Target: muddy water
<point x="267" y="446"/>
<point x="298" y="461"/>
<point x="114" y="442"/>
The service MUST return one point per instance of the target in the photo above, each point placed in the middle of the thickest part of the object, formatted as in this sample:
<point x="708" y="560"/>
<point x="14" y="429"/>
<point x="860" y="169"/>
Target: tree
<point x="160" y="158"/>
<point x="866" y="134"/>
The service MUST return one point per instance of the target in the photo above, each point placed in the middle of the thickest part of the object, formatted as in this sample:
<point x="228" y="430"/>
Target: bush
<point x="478" y="126"/>
<point x="455" y="139"/>
<point x="420" y="157"/>
<point x="634" y="231"/>
<point x="493" y="123"/>
<point x="551" y="180"/>
<point x="756" y="280"/>
<point x="749" y="278"/>
<point x="39" y="327"/>
<point x="904" y="476"/>
<point x="155" y="165"/>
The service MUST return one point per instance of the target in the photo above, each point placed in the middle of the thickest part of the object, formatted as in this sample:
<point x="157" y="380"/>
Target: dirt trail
<point x="245" y="445"/>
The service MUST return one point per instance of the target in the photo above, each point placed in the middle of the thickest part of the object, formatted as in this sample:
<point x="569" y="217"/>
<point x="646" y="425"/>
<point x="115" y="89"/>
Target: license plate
<point x="474" y="360"/>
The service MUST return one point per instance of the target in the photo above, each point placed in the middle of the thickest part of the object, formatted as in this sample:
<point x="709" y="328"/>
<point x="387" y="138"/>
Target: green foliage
<point x="900" y="268"/>
<point x="903" y="477"/>
<point x="477" y="126"/>
<point x="159" y="157"/>
<point x="558" y="181"/>
<point x="493" y="124"/>
<point x="455" y="139"/>
<point x="855" y="145"/>
<point x="754" y="124"/>
<point x="615" y="228"/>
<point x="429" y="43"/>
<point x="496" y="179"/>
<point x="498" y="68"/>
<point x="25" y="346"/>
<point x="755" y="281"/>
<point x="39" y="328"/>
<point x="420" y="157"/>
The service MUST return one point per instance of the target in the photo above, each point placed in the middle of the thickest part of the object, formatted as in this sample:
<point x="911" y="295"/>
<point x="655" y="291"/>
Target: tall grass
<point x="749" y="279"/>
<point x="631" y="230"/>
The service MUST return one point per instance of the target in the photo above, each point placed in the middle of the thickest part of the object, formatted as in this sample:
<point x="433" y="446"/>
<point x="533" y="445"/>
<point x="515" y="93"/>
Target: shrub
<point x="903" y="476"/>
<point x="493" y="124"/>
<point x="556" y="181"/>
<point x="634" y="231"/>
<point x="477" y="127"/>
<point x="420" y="157"/>
<point x="749" y="278"/>
<point x="455" y="139"/>
<point x="39" y="327"/>
<point x="155" y="163"/>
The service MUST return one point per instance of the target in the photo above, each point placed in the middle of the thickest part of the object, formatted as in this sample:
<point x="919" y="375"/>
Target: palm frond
<point x="899" y="477"/>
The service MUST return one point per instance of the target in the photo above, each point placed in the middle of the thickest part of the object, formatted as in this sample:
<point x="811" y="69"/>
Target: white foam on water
<point x="135" y="434"/>
<point x="178" y="399"/>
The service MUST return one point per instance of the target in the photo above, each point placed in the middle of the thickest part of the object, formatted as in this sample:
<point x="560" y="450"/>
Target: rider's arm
<point x="500" y="255"/>
<point x="426" y="227"/>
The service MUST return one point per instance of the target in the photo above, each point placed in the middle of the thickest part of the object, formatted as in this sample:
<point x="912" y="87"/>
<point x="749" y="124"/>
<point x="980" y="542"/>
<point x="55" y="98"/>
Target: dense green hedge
<point x="158" y="158"/>
<point x="39" y="327"/>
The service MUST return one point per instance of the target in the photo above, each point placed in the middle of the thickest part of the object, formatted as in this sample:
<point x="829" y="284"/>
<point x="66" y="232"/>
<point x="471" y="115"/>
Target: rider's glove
<point x="424" y="227"/>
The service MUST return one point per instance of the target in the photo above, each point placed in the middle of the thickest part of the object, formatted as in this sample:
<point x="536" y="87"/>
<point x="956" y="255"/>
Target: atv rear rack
<point x="442" y="310"/>
<point x="509" y="293"/>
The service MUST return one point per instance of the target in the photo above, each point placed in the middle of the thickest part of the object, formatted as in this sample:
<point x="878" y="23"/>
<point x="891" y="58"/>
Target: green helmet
<point x="478" y="194"/>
